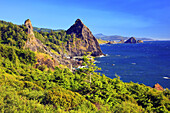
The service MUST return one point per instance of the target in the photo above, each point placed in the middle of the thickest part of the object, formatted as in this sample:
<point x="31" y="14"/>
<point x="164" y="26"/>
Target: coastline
<point x="131" y="62"/>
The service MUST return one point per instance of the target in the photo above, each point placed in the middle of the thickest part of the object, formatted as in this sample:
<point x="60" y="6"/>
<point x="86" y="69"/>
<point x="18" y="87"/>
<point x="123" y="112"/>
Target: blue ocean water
<point x="146" y="63"/>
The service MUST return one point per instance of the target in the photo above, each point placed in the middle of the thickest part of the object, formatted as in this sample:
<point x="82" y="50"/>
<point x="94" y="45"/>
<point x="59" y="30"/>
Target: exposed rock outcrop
<point x="139" y="41"/>
<point x="86" y="42"/>
<point x="35" y="44"/>
<point x="28" y="24"/>
<point x="158" y="87"/>
<point x="131" y="40"/>
<point x="111" y="42"/>
<point x="121" y="41"/>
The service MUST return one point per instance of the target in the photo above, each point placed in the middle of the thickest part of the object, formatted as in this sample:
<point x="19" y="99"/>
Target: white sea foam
<point x="134" y="63"/>
<point x="102" y="56"/>
<point x="166" y="77"/>
<point x="102" y="44"/>
<point x="96" y="61"/>
<point x="81" y="67"/>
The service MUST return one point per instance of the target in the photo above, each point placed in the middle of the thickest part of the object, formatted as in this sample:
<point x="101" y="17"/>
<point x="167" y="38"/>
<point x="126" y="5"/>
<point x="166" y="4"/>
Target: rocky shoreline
<point x="131" y="40"/>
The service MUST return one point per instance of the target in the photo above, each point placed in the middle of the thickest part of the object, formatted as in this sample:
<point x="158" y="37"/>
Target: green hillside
<point x="25" y="87"/>
<point x="45" y="29"/>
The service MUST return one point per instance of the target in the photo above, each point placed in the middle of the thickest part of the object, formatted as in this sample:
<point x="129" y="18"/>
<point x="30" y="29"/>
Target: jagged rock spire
<point x="88" y="41"/>
<point x="78" y="21"/>
<point x="28" y="24"/>
<point x="77" y="28"/>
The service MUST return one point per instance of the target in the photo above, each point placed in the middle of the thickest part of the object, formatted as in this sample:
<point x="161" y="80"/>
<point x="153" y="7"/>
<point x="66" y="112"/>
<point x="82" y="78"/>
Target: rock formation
<point x="86" y="42"/>
<point x="111" y="42"/>
<point x="28" y="24"/>
<point x="121" y="41"/>
<point x="139" y="41"/>
<point x="35" y="44"/>
<point x="131" y="40"/>
<point x="158" y="87"/>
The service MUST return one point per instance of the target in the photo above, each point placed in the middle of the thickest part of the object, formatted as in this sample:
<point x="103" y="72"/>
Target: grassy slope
<point x="100" y="41"/>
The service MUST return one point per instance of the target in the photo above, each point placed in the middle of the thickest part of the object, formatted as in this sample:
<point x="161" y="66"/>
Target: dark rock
<point x="121" y="41"/>
<point x="86" y="41"/>
<point x="158" y="87"/>
<point x="131" y="40"/>
<point x="111" y="42"/>
<point x="139" y="41"/>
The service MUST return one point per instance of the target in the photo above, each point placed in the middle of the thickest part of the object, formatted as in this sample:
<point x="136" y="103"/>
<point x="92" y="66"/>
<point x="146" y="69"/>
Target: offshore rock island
<point x="117" y="39"/>
<point x="133" y="40"/>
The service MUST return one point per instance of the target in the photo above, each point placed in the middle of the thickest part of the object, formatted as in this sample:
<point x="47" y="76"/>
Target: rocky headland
<point x="80" y="43"/>
<point x="131" y="40"/>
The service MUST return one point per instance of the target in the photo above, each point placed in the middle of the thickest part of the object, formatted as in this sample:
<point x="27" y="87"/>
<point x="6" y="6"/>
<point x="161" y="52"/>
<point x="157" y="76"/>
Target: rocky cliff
<point x="28" y="24"/>
<point x="35" y="44"/>
<point x="85" y="42"/>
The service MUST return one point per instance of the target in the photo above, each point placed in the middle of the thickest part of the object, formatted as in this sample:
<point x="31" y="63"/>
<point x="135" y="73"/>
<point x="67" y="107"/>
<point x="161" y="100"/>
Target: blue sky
<point x="139" y="18"/>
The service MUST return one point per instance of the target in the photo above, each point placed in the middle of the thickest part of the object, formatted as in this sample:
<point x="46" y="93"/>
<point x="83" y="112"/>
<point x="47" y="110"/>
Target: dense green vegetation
<point x="12" y="34"/>
<point x="58" y="41"/>
<point x="15" y="35"/>
<point x="24" y="88"/>
<point x="100" y="41"/>
<point x="45" y="30"/>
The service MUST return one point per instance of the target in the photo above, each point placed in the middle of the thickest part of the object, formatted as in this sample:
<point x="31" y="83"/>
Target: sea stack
<point x="131" y="40"/>
<point x="86" y="42"/>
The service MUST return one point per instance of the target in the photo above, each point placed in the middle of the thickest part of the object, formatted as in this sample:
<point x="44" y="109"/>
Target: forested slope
<point x="27" y="88"/>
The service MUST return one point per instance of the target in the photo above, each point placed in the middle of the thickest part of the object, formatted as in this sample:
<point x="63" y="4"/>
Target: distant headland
<point x="114" y="39"/>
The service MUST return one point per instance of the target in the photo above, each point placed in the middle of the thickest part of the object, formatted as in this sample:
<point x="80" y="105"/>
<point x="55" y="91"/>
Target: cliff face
<point x="86" y="42"/>
<point x="28" y="24"/>
<point x="35" y="44"/>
